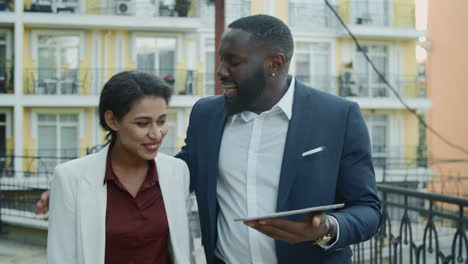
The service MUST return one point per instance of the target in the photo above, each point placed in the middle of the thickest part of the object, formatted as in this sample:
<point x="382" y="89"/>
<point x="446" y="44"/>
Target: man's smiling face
<point x="241" y="70"/>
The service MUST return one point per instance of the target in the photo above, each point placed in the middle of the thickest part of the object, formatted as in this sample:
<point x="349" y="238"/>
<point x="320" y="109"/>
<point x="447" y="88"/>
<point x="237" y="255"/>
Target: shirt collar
<point x="285" y="105"/>
<point x="151" y="175"/>
<point x="286" y="101"/>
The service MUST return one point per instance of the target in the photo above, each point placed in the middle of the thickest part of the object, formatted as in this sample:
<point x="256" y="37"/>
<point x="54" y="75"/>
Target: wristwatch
<point x="325" y="239"/>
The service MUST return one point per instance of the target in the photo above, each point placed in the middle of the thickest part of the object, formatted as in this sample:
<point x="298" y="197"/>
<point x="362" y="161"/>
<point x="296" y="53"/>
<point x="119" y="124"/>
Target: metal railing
<point x="378" y="13"/>
<point x="364" y="85"/>
<point x="125" y="8"/>
<point x="418" y="227"/>
<point x="306" y="14"/>
<point x="46" y="81"/>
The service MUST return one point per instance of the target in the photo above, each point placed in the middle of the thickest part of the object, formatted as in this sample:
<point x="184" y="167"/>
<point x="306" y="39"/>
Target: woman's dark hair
<point x="123" y="89"/>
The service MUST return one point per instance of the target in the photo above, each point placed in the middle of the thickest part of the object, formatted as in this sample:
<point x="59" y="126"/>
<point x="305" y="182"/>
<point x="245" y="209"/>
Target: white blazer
<point x="78" y="199"/>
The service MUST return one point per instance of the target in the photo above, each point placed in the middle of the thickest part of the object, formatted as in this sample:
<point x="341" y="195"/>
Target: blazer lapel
<point x="299" y="132"/>
<point x="92" y="202"/>
<point x="214" y="138"/>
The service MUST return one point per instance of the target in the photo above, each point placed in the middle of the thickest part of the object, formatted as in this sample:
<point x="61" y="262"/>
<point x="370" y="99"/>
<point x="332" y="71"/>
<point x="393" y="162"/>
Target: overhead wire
<point x="394" y="91"/>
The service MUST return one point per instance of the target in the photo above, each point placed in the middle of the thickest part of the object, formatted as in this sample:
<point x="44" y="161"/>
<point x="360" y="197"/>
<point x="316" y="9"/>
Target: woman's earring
<point x="273" y="74"/>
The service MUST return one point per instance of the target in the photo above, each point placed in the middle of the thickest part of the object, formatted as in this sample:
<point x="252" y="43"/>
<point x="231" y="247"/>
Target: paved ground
<point x="15" y="252"/>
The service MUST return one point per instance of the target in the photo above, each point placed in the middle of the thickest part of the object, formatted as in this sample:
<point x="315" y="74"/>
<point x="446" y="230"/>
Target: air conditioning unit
<point x="125" y="7"/>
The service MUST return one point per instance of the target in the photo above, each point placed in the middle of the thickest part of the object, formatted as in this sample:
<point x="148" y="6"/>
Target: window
<point x="372" y="12"/>
<point x="57" y="139"/>
<point x="308" y="13"/>
<point x="237" y="9"/>
<point x="58" y="60"/>
<point x="312" y="61"/>
<point x="369" y="83"/>
<point x="157" y="55"/>
<point x="378" y="126"/>
<point x="210" y="73"/>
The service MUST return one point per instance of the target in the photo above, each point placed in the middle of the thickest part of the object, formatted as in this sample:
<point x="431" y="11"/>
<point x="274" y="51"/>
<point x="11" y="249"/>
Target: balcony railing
<point x="378" y="13"/>
<point x="90" y="81"/>
<point x="306" y="14"/>
<point x="363" y="85"/>
<point x="400" y="156"/>
<point x="233" y="11"/>
<point x="418" y="227"/>
<point x="116" y="7"/>
<point x="6" y="79"/>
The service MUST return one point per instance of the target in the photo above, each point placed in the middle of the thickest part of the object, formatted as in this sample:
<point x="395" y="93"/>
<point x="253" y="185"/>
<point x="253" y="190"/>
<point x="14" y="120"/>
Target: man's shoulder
<point x="209" y="104"/>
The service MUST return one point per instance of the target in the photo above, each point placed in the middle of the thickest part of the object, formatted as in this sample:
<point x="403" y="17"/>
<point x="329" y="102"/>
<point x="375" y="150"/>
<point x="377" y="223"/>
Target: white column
<point x="18" y="107"/>
<point x="19" y="5"/>
<point x="269" y="7"/>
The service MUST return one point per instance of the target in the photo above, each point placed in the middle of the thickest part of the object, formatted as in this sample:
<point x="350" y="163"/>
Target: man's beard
<point x="248" y="93"/>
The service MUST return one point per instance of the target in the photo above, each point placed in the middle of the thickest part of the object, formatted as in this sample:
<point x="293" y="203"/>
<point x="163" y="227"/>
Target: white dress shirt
<point x="250" y="161"/>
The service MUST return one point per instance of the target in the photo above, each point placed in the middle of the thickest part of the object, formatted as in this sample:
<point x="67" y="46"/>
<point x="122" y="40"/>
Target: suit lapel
<point x="214" y="137"/>
<point x="92" y="202"/>
<point x="299" y="132"/>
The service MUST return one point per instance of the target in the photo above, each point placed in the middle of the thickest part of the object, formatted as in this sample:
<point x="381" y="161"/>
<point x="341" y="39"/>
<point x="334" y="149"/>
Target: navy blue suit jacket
<point x="343" y="173"/>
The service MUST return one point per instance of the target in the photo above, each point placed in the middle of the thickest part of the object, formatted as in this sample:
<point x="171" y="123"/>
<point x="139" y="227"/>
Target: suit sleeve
<point x="356" y="186"/>
<point x="62" y="234"/>
<point x="185" y="154"/>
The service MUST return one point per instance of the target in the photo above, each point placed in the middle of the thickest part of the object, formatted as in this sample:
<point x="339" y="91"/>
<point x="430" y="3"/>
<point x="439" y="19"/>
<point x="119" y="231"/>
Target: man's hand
<point x="312" y="228"/>
<point x="42" y="206"/>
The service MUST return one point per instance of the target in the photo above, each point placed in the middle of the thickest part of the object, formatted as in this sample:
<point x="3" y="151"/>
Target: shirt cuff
<point x="327" y="246"/>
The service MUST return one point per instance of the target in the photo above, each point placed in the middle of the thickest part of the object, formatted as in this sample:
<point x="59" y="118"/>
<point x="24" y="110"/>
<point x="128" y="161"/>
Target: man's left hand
<point x="312" y="228"/>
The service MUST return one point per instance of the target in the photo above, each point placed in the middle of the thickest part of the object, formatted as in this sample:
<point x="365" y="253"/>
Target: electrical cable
<point x="395" y="92"/>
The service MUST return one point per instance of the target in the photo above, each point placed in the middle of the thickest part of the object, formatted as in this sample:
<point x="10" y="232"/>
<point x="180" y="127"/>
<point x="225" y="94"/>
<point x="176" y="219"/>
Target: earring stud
<point x="273" y="74"/>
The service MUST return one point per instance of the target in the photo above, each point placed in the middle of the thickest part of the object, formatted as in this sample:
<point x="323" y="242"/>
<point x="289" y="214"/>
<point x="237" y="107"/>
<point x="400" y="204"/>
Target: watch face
<point x="323" y="240"/>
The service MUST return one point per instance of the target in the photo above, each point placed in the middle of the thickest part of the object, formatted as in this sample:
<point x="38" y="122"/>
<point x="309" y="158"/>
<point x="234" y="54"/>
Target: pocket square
<point x="313" y="151"/>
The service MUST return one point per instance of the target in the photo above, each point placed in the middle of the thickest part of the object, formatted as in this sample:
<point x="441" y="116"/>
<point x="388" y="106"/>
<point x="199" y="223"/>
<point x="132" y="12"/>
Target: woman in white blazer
<point x="101" y="205"/>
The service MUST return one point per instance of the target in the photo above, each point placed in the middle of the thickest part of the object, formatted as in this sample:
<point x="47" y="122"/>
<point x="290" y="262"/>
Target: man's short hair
<point x="268" y="30"/>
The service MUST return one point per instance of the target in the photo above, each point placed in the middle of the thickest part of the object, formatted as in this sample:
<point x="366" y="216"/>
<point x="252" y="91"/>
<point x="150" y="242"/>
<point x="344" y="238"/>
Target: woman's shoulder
<point x="169" y="159"/>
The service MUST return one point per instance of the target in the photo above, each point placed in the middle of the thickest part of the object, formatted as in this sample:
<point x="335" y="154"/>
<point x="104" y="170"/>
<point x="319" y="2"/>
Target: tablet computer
<point x="293" y="212"/>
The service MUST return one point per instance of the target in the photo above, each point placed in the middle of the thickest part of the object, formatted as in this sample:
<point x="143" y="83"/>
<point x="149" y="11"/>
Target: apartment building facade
<point x="55" y="56"/>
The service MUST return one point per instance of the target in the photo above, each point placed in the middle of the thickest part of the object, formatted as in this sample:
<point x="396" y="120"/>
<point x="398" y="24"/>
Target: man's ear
<point x="277" y="62"/>
<point x="111" y="120"/>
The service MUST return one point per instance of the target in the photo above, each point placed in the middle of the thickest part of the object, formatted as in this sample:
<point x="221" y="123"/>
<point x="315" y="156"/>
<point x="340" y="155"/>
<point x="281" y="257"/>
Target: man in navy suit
<point x="272" y="144"/>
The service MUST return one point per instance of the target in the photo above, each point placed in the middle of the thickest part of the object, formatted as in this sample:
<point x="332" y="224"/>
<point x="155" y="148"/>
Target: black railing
<point x="47" y="81"/>
<point x="418" y="227"/>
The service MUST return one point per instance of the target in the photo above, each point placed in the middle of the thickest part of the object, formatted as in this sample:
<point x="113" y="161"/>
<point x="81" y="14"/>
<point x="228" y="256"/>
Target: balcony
<point x="378" y="13"/>
<point x="133" y="8"/>
<point x="369" y="18"/>
<point x="6" y="80"/>
<point x="310" y="15"/>
<point x="418" y="227"/>
<point x="364" y="85"/>
<point x="78" y="88"/>
<point x="233" y="11"/>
